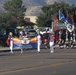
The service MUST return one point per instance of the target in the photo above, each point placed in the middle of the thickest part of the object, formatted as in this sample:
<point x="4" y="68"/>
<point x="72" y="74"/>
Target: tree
<point x="45" y="17"/>
<point x="15" y="12"/>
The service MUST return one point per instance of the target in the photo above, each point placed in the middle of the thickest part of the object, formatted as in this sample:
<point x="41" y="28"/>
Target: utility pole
<point x="52" y="26"/>
<point x="74" y="15"/>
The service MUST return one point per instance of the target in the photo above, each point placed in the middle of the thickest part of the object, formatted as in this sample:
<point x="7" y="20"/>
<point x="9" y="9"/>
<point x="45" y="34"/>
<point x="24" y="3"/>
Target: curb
<point x="4" y="50"/>
<point x="8" y="49"/>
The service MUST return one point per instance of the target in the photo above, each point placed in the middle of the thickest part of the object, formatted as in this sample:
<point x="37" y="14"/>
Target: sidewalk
<point x="5" y="49"/>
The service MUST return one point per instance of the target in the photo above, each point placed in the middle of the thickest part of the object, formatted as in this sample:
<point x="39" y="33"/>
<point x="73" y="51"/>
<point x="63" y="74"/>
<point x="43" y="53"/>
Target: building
<point x="31" y="18"/>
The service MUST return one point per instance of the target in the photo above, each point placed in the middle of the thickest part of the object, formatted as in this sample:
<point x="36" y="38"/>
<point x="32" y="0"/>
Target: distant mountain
<point x="28" y="3"/>
<point x="41" y="2"/>
<point x="34" y="6"/>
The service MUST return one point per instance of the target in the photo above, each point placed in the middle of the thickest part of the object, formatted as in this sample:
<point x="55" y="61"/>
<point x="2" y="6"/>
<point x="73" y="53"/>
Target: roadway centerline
<point x="37" y="67"/>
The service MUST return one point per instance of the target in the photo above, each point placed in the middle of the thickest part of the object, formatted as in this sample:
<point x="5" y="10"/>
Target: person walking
<point x="10" y="38"/>
<point x="21" y="38"/>
<point x="38" y="41"/>
<point x="51" y="42"/>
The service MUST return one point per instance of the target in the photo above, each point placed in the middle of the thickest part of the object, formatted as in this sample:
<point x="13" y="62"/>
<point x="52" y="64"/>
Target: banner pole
<point x="52" y="26"/>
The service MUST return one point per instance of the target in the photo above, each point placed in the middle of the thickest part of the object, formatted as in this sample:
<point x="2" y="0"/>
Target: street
<point x="61" y="62"/>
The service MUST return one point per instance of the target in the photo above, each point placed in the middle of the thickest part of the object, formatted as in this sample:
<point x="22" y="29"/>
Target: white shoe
<point x="46" y="47"/>
<point x="67" y="47"/>
<point x="38" y="52"/>
<point x="21" y="52"/>
<point x="11" y="52"/>
<point x="52" y="52"/>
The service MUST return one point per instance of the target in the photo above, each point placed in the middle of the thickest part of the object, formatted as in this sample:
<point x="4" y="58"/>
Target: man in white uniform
<point x="38" y="41"/>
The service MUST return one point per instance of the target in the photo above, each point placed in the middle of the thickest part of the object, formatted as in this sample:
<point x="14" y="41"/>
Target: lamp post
<point x="74" y="15"/>
<point x="52" y="26"/>
<point x="52" y="22"/>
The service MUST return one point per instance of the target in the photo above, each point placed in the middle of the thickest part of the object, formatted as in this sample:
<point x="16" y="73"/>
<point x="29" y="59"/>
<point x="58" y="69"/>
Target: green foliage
<point x="45" y="18"/>
<point x="14" y="13"/>
<point x="14" y="7"/>
<point x="6" y="21"/>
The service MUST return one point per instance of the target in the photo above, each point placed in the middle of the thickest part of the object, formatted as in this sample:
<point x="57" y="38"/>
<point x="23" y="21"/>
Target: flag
<point x="54" y="18"/>
<point x="62" y="17"/>
<point x="69" y="18"/>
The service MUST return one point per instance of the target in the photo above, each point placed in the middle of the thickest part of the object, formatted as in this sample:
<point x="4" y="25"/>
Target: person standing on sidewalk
<point x="10" y="38"/>
<point x="51" y="42"/>
<point x="45" y="35"/>
<point x="38" y="41"/>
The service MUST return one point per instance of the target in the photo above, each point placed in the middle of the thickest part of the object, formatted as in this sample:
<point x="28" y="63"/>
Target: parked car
<point x="13" y="30"/>
<point x="44" y="30"/>
<point x="2" y="35"/>
<point x="30" y="32"/>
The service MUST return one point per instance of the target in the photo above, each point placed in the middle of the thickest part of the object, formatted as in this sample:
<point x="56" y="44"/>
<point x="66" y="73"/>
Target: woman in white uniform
<point x="10" y="38"/>
<point x="38" y="41"/>
<point x="21" y="38"/>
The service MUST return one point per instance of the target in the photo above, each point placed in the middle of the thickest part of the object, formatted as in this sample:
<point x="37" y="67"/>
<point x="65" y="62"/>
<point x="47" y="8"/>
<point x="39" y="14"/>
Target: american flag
<point x="69" y="18"/>
<point x="54" y="18"/>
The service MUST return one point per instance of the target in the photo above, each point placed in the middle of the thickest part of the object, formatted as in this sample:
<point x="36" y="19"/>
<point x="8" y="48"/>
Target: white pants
<point x="11" y="46"/>
<point x="51" y="47"/>
<point x="22" y="46"/>
<point x="38" y="46"/>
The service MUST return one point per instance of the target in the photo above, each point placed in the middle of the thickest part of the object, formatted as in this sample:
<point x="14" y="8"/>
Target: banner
<point x="26" y="43"/>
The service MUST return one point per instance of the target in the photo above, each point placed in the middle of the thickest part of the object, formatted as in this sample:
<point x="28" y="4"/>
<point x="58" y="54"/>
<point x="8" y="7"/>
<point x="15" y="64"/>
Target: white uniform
<point x="21" y="37"/>
<point x="11" y="45"/>
<point x="51" y="43"/>
<point x="38" y="43"/>
<point x="11" y="42"/>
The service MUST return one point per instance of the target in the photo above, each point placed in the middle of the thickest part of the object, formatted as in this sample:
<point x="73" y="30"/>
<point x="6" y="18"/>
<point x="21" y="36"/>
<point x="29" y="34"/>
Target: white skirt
<point x="51" y="43"/>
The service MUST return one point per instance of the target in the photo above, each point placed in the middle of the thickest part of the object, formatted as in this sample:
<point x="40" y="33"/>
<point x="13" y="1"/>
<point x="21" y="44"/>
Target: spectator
<point x="45" y="35"/>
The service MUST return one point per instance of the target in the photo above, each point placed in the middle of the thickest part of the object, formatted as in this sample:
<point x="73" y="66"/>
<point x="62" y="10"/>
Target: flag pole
<point x="52" y="26"/>
<point x="59" y="15"/>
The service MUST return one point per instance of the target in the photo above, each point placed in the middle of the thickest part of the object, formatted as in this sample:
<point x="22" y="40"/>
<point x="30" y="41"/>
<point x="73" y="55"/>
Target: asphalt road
<point x="61" y="62"/>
